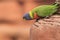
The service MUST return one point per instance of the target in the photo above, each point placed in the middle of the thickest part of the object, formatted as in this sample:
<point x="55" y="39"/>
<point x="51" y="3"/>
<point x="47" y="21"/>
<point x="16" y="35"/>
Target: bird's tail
<point x="57" y="3"/>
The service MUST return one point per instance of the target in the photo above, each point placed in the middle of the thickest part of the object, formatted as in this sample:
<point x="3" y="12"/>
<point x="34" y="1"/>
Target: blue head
<point x="27" y="17"/>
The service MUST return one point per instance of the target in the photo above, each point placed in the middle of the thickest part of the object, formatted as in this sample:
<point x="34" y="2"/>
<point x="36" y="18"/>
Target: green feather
<point x="44" y="10"/>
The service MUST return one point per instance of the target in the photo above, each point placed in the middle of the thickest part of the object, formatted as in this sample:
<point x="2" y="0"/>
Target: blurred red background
<point x="13" y="11"/>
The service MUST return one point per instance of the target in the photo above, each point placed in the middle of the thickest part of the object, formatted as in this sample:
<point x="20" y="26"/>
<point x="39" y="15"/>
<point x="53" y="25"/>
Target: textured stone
<point x="46" y="29"/>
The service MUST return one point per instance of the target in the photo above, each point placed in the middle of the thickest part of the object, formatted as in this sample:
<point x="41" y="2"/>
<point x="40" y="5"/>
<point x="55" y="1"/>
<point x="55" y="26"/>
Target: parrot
<point x="41" y="12"/>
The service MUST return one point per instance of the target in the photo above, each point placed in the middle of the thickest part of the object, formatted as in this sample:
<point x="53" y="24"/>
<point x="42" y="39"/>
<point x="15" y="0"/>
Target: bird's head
<point x="30" y="16"/>
<point x="27" y="16"/>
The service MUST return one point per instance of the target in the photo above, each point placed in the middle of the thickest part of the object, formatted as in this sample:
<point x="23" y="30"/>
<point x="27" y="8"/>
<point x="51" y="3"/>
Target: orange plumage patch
<point x="35" y="16"/>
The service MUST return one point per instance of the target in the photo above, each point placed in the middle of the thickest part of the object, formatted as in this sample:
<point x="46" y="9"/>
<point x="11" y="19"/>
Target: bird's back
<point x="45" y="10"/>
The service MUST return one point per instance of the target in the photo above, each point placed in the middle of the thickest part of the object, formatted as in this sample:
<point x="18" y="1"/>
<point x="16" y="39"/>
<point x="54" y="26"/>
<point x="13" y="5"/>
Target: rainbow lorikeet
<point x="41" y="12"/>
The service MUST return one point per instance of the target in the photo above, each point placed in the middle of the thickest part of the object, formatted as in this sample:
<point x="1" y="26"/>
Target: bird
<point x="41" y="12"/>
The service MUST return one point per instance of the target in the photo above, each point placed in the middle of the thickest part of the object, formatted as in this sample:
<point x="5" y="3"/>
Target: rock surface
<point x="46" y="29"/>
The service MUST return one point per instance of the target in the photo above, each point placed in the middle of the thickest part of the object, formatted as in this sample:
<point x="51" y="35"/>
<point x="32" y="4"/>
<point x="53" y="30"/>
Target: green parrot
<point x="43" y="11"/>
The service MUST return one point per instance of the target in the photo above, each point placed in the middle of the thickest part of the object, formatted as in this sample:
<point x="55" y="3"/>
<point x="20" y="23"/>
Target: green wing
<point x="45" y="10"/>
